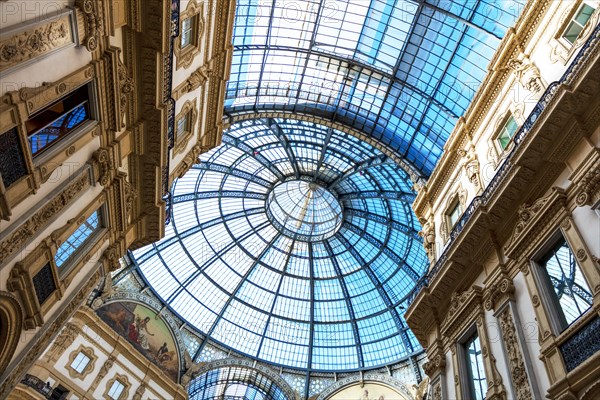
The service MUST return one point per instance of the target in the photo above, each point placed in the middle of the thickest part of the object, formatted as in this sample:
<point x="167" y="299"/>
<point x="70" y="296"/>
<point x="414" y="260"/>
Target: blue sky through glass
<point x="319" y="302"/>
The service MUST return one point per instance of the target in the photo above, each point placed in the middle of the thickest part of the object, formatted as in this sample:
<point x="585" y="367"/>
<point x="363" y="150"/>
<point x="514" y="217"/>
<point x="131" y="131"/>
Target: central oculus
<point x="304" y="210"/>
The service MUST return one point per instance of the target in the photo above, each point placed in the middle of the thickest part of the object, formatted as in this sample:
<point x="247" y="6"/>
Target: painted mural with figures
<point x="145" y="330"/>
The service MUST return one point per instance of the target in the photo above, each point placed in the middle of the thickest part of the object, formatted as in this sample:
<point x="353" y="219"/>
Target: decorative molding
<point x="11" y="325"/>
<point x="198" y="78"/>
<point x="185" y="56"/>
<point x="190" y="111"/>
<point x="103" y="165"/>
<point x="65" y="338"/>
<point x="589" y="187"/>
<point x="17" y="239"/>
<point x="497" y="293"/>
<point x="533" y="217"/>
<point x="515" y="357"/>
<point x="45" y="335"/>
<point x="36" y="40"/>
<point x="93" y="24"/>
<point x="372" y="377"/>
<point x="249" y="364"/>
<point x="527" y="74"/>
<point x="89" y="368"/>
<point x="428" y="234"/>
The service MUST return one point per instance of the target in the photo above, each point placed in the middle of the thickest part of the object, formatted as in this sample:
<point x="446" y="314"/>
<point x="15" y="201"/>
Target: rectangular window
<point x="581" y="17"/>
<point x="12" y="159"/>
<point x="182" y="126"/>
<point x="80" y="362"/>
<point x="78" y="239"/>
<point x="507" y="132"/>
<point x="58" y="120"/>
<point x="454" y="214"/>
<point x="474" y="363"/>
<point x="568" y="289"/>
<point x="43" y="283"/>
<point x="187" y="32"/>
<point x="116" y="390"/>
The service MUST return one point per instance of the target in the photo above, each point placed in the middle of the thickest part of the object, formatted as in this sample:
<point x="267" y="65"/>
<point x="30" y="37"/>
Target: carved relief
<point x="104" y="164"/>
<point x="63" y="341"/>
<point x="525" y="215"/>
<point x="588" y="187"/>
<point x="93" y="24"/>
<point x="497" y="292"/>
<point x="437" y="364"/>
<point x="196" y="79"/>
<point x="191" y="369"/>
<point x="428" y="235"/>
<point x="471" y="166"/>
<point x="527" y="74"/>
<point x="515" y="357"/>
<point x="126" y="87"/>
<point x="111" y="256"/>
<point x="139" y="392"/>
<point x="35" y="42"/>
<point x="108" y="364"/>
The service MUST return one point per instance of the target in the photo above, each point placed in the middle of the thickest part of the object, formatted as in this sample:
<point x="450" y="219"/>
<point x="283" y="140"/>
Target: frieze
<point x="36" y="41"/>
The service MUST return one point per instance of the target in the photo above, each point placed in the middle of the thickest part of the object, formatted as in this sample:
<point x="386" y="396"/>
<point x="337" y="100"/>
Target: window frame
<point x="122" y="379"/>
<point x="185" y="54"/>
<point x="501" y="129"/>
<point x="189" y="112"/>
<point x="466" y="371"/>
<point x="549" y="299"/>
<point x="90" y="366"/>
<point x="76" y="256"/>
<point x="58" y="146"/>
<point x="571" y="20"/>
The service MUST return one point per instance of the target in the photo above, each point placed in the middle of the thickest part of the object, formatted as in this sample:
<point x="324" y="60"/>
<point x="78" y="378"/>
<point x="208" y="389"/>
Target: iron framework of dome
<point x="320" y="284"/>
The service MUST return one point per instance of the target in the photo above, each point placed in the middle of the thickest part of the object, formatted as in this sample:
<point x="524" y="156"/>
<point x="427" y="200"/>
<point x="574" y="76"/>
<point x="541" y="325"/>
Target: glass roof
<point x="399" y="71"/>
<point x="320" y="284"/>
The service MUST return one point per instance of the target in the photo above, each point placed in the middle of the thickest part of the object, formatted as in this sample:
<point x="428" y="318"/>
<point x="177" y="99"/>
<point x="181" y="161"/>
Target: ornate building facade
<point x="123" y="120"/>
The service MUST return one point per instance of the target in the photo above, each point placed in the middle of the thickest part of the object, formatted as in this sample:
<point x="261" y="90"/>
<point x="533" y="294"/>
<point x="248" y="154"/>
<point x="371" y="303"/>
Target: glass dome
<point x="304" y="210"/>
<point x="294" y="244"/>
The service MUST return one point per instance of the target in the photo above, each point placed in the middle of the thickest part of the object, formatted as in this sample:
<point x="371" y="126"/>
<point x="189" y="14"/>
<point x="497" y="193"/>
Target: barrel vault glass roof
<point x="400" y="71"/>
<point x="320" y="296"/>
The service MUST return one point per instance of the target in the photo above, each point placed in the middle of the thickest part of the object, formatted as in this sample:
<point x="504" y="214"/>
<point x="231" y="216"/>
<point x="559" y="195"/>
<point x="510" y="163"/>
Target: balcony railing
<point x="504" y="169"/>
<point x="38" y="385"/>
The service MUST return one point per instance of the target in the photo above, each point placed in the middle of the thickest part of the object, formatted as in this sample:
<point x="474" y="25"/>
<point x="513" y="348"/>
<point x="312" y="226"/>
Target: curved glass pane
<point x="295" y="244"/>
<point x="401" y="71"/>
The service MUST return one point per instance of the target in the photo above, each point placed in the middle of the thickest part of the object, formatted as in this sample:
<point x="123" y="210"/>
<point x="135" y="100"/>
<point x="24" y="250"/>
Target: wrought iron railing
<point x="504" y="169"/>
<point x="37" y="384"/>
<point x="170" y="102"/>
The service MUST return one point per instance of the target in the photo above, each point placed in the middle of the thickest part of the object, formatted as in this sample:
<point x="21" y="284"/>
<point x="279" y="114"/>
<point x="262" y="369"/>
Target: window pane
<point x="475" y="368"/>
<point x="508" y="131"/>
<point x="572" y="32"/>
<point x="115" y="390"/>
<point x="58" y="120"/>
<point x="572" y="293"/>
<point x="454" y="215"/>
<point x="583" y="16"/>
<point x="80" y="362"/>
<point x="77" y="239"/>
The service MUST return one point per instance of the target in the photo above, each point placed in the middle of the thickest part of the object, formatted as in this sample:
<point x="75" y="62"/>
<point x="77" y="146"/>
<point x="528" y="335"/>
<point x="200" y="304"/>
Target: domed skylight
<point x="294" y="244"/>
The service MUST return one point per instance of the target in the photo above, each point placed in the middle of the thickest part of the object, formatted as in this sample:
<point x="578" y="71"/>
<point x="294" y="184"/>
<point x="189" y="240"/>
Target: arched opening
<point x="11" y="321"/>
